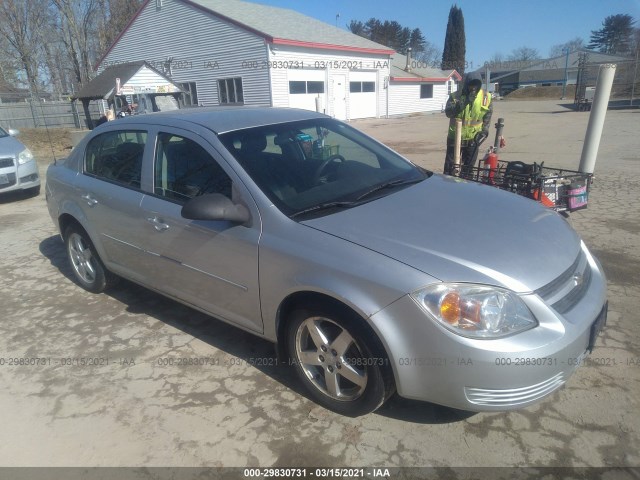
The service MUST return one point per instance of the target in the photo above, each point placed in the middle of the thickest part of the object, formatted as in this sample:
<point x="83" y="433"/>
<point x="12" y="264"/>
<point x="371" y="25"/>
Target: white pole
<point x="458" y="145"/>
<point x="596" y="119"/>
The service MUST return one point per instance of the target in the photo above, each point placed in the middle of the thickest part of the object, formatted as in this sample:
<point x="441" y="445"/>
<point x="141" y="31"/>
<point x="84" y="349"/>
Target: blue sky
<point x="490" y="26"/>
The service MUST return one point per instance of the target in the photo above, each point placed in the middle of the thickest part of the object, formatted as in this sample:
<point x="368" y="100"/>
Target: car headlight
<point x="478" y="311"/>
<point x="25" y="156"/>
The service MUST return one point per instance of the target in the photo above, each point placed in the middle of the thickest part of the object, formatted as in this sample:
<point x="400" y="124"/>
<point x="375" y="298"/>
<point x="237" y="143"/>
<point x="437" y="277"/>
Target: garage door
<point x="363" y="95"/>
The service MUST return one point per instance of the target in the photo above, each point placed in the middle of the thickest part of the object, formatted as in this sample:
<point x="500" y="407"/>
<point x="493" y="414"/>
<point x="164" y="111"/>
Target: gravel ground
<point x="132" y="407"/>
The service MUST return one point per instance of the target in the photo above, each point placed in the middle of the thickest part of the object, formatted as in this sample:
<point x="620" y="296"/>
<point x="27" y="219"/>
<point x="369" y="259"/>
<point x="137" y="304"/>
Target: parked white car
<point x="18" y="167"/>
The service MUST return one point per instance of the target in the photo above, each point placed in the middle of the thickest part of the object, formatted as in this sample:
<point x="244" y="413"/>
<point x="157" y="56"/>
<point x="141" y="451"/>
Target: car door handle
<point x="90" y="200"/>
<point x="158" y="224"/>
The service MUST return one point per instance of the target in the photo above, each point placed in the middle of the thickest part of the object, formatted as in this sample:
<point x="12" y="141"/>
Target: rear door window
<point x="117" y="157"/>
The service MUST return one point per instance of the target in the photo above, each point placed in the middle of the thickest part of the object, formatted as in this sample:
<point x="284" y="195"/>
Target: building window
<point x="426" y="91"/>
<point x="315" y="87"/>
<point x="190" y="97"/>
<point x="301" y="86"/>
<point x="449" y="87"/>
<point x="230" y="91"/>
<point x="546" y="84"/>
<point x="358" y="87"/>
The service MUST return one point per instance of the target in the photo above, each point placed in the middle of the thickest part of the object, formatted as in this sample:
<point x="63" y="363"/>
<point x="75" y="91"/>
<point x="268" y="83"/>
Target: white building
<point x="418" y="87"/>
<point x="230" y="52"/>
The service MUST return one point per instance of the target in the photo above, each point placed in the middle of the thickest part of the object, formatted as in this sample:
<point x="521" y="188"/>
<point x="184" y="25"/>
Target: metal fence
<point x="46" y="114"/>
<point x="626" y="83"/>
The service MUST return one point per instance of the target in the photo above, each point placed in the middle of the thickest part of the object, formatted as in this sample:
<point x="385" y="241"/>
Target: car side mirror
<point x="215" y="206"/>
<point x="13" y="132"/>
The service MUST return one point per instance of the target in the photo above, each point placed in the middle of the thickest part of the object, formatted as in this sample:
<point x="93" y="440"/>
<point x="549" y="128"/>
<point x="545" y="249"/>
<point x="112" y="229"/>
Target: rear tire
<point x="88" y="270"/>
<point x="341" y="363"/>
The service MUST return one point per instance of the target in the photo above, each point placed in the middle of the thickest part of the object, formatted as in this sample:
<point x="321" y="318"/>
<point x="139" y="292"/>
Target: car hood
<point x="460" y="231"/>
<point x="10" y="147"/>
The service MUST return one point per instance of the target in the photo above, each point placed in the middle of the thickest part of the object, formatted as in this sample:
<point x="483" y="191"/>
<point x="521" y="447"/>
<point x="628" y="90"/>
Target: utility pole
<point x="566" y="74"/>
<point x="635" y="71"/>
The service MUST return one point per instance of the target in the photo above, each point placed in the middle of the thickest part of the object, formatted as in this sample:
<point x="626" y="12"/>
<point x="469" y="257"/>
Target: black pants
<point x="468" y="157"/>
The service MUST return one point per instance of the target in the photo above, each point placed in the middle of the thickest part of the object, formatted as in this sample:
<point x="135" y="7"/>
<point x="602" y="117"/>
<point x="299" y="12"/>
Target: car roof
<point x="224" y="119"/>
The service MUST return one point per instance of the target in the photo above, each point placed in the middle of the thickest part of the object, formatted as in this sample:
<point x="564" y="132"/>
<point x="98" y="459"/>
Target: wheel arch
<point x="65" y="220"/>
<point x="310" y="299"/>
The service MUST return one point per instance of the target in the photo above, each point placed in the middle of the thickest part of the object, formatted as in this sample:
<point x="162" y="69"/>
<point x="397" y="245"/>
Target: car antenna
<point x="44" y="118"/>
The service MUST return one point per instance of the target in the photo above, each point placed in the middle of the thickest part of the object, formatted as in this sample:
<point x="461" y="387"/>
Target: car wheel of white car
<point x="86" y="265"/>
<point x="343" y="367"/>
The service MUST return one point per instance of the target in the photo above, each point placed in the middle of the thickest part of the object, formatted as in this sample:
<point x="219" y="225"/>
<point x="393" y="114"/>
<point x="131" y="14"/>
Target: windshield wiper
<point x="393" y="183"/>
<point x="325" y="206"/>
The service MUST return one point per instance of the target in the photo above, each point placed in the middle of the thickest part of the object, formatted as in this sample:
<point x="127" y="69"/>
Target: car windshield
<point x="316" y="166"/>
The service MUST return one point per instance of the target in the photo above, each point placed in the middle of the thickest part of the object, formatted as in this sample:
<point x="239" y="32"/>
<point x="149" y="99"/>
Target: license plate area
<point x="597" y="326"/>
<point x="3" y="179"/>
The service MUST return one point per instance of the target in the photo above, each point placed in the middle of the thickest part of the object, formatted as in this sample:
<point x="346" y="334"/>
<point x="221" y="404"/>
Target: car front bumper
<point x="433" y="364"/>
<point x="20" y="177"/>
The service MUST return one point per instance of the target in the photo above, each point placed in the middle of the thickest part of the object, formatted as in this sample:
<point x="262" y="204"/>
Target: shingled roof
<point x="418" y="71"/>
<point x="103" y="85"/>
<point x="278" y="26"/>
<point x="285" y="26"/>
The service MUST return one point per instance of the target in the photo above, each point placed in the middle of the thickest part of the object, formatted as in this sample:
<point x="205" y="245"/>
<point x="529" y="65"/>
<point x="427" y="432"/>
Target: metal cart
<point x="560" y="189"/>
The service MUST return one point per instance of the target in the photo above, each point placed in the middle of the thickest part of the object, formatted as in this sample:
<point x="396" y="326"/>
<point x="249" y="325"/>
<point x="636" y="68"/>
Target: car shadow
<point x="14" y="196"/>
<point x="245" y="347"/>
<point x="416" y="411"/>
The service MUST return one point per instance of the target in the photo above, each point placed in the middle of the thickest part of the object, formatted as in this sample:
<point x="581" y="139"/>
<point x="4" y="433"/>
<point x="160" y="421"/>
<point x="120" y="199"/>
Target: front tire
<point x="88" y="270"/>
<point x="341" y="363"/>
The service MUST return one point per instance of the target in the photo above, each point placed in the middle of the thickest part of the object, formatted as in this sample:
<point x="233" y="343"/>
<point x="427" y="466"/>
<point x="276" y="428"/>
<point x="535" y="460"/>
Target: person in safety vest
<point x="473" y="105"/>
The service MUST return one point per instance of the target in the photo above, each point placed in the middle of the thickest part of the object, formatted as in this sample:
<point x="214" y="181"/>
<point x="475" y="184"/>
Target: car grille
<point x="568" y="289"/>
<point x="6" y="162"/>
<point x="513" y="396"/>
<point x="12" y="181"/>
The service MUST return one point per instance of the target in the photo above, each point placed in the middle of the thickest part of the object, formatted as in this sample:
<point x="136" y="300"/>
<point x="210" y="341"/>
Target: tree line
<point x="618" y="36"/>
<point x="53" y="45"/>
<point x="393" y="35"/>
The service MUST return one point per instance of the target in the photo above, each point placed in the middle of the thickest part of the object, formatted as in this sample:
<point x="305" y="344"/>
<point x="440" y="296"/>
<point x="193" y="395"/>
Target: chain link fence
<point x="626" y="83"/>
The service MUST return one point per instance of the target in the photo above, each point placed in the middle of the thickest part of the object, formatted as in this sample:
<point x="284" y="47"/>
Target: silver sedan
<point x="369" y="273"/>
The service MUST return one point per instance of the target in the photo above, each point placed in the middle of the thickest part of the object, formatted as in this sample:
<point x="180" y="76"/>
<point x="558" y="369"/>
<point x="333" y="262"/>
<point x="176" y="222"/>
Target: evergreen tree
<point x="453" y="56"/>
<point x="615" y="37"/>
<point x="390" y="34"/>
<point x="417" y="41"/>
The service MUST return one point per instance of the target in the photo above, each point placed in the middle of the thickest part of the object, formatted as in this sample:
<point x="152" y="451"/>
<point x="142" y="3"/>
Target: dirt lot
<point x="134" y="405"/>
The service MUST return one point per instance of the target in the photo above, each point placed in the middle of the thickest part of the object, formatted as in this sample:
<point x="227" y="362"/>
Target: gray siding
<point x="204" y="49"/>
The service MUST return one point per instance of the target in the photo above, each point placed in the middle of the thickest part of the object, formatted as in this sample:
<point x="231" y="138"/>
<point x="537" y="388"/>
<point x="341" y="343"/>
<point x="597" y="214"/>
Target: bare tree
<point x="111" y="19"/>
<point x="8" y="70"/>
<point x="496" y="62"/>
<point x="561" y="49"/>
<point x="21" y="23"/>
<point x="76" y="23"/>
<point x="524" y="54"/>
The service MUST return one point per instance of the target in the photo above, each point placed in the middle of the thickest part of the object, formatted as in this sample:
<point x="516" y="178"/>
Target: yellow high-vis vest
<point x="471" y="116"/>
